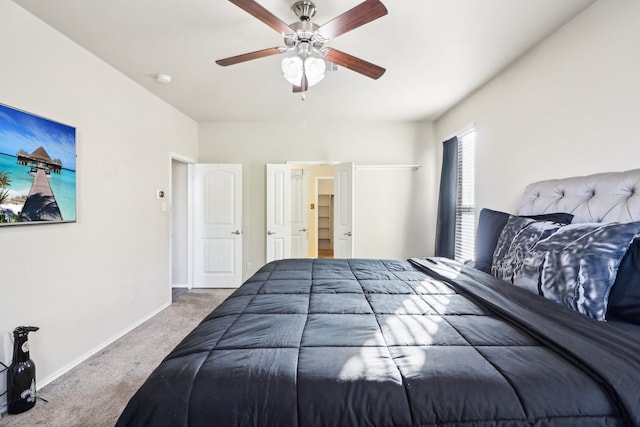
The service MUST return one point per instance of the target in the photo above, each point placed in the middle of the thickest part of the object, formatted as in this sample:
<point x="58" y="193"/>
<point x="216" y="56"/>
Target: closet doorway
<point x="318" y="181"/>
<point x="287" y="205"/>
<point x="330" y="209"/>
<point x="324" y="216"/>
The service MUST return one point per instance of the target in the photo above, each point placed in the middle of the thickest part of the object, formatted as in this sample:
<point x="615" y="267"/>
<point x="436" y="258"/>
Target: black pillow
<point x="624" y="299"/>
<point x="490" y="225"/>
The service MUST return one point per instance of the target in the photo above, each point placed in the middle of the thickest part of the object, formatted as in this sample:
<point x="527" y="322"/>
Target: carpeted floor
<point x="95" y="392"/>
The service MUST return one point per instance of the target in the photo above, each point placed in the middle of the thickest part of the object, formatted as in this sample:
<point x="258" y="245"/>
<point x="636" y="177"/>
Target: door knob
<point x="303" y="229"/>
<point x="235" y="232"/>
<point x="348" y="233"/>
<point x="269" y="233"/>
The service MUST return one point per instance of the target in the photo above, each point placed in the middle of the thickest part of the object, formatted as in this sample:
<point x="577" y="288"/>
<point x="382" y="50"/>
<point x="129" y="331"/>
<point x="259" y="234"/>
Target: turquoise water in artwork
<point x="62" y="184"/>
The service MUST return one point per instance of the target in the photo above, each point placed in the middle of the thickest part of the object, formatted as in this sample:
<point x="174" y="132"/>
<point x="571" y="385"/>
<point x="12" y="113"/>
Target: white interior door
<point x="217" y="261"/>
<point x="299" y="217"/>
<point x="278" y="211"/>
<point x="343" y="210"/>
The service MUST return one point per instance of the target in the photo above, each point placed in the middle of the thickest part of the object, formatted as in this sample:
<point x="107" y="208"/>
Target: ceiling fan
<point x="306" y="39"/>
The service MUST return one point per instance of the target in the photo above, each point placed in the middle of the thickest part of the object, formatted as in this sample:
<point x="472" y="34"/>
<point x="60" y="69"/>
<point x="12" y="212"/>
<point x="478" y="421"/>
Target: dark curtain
<point x="446" y="221"/>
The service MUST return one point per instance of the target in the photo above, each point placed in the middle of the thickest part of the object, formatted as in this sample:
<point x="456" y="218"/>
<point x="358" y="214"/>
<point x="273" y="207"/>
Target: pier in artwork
<point x="41" y="203"/>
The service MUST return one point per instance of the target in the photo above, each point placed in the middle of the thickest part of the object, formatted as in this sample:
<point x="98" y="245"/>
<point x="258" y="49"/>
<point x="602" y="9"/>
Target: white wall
<point x="256" y="144"/>
<point x="325" y="186"/>
<point x="85" y="283"/>
<point x="570" y="106"/>
<point x="386" y="224"/>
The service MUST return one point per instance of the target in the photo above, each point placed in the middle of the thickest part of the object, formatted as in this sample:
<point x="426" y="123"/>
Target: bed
<point x="554" y="340"/>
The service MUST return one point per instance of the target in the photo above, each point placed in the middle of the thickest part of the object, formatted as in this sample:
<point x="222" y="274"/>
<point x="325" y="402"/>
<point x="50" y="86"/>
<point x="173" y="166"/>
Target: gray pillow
<point x="624" y="299"/>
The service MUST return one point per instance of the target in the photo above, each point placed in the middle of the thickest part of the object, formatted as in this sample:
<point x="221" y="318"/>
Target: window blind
<point x="465" y="203"/>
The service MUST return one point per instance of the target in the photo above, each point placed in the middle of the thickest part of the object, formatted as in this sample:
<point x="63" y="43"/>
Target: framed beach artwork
<point x="37" y="169"/>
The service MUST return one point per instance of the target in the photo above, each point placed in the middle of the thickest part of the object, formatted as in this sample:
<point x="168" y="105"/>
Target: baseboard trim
<point x="57" y="374"/>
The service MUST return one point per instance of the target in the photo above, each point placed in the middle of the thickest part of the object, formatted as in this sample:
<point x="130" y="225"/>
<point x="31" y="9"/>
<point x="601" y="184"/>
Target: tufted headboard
<point x="602" y="197"/>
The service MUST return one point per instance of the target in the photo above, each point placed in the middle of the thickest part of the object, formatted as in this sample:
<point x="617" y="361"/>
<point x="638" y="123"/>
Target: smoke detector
<point x="165" y="79"/>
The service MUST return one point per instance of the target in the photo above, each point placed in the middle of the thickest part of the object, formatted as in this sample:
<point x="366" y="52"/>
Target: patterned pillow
<point x="512" y="258"/>
<point x="580" y="263"/>
<point x="490" y="225"/>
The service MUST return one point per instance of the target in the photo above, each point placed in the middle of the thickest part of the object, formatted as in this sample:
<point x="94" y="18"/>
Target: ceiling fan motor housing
<point x="305" y="32"/>
<point x="304" y="9"/>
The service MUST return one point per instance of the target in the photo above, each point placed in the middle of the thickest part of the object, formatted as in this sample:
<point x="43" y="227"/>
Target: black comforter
<point x="318" y="342"/>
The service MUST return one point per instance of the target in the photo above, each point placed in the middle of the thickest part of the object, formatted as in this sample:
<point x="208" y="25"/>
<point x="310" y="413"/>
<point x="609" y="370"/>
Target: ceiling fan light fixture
<point x="292" y="69"/>
<point x="315" y="68"/>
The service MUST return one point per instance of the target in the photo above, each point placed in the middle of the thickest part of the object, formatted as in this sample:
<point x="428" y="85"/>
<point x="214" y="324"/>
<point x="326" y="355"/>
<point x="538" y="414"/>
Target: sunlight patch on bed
<point x="400" y="328"/>
<point x="419" y="330"/>
<point x="367" y="364"/>
<point x="439" y="302"/>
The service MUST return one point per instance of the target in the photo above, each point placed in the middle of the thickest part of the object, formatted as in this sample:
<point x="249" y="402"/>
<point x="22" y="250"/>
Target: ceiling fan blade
<point x="264" y="15"/>
<point x="363" y="13"/>
<point x="355" y="64"/>
<point x="249" y="56"/>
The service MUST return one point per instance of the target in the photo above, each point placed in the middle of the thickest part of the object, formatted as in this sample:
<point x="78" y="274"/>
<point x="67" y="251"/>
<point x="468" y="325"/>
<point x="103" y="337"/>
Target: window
<point x="465" y="204"/>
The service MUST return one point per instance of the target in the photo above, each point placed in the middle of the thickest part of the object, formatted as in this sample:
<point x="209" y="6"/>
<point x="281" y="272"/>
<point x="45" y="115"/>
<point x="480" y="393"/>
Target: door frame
<point x="187" y="161"/>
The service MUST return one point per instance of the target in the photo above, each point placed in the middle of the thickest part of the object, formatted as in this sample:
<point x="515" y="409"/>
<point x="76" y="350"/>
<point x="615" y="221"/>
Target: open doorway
<point x="318" y="242"/>
<point x="324" y="216"/>
<point x="180" y="222"/>
<point x="282" y="211"/>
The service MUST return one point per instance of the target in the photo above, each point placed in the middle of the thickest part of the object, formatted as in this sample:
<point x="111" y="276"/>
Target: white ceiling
<point x="435" y="51"/>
